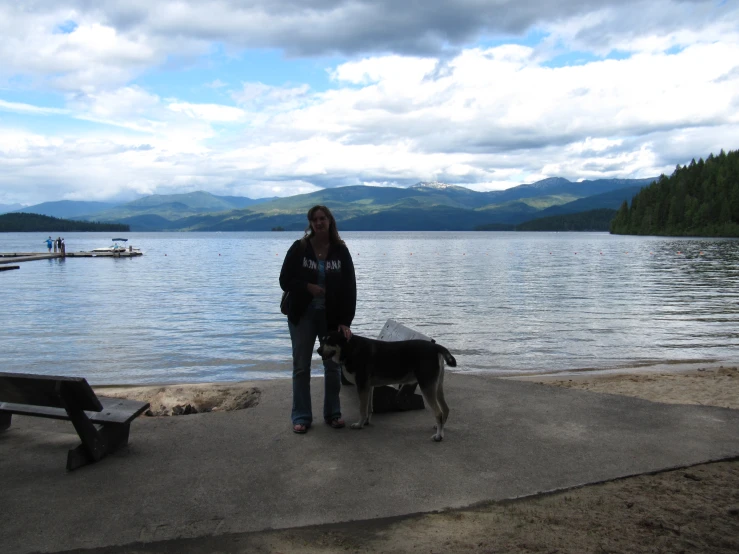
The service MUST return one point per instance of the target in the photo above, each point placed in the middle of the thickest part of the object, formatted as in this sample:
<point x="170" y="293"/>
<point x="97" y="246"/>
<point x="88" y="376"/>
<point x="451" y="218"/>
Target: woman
<point x="318" y="273"/>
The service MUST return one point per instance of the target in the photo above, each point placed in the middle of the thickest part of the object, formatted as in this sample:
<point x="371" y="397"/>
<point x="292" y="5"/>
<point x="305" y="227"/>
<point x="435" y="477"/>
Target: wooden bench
<point x="102" y="423"/>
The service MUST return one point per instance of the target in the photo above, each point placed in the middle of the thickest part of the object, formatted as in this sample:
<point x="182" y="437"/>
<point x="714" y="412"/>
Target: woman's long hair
<point x="333" y="232"/>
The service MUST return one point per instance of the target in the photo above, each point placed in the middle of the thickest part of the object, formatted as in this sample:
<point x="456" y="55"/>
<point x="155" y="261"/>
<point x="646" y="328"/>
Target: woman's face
<point x="319" y="222"/>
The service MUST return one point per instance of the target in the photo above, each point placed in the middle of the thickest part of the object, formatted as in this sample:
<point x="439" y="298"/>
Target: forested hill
<point x="23" y="222"/>
<point x="699" y="199"/>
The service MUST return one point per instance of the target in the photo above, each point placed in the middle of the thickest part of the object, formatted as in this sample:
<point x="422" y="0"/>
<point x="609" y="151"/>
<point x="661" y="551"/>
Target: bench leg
<point x="96" y="442"/>
<point x="105" y="441"/>
<point x="78" y="457"/>
<point x="5" y="421"/>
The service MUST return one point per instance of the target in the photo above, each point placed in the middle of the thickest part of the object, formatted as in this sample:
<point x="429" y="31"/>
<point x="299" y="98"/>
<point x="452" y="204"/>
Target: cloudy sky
<point x="115" y="99"/>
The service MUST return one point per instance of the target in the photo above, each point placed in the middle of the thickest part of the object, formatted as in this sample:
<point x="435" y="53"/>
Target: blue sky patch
<point x="66" y="28"/>
<point x="674" y="50"/>
<point x="214" y="77"/>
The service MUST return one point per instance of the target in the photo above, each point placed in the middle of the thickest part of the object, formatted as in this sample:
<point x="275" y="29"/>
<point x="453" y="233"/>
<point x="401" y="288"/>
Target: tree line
<point x="699" y="199"/>
<point x="20" y="222"/>
<point x="592" y="220"/>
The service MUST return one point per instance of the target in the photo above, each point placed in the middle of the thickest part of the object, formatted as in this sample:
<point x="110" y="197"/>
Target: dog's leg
<point x="430" y="395"/>
<point x="365" y="394"/>
<point x="443" y="404"/>
<point x="440" y="390"/>
<point x="371" y="404"/>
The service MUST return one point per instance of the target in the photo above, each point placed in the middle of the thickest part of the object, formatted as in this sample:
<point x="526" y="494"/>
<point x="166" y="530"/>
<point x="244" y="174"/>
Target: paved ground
<point x="220" y="473"/>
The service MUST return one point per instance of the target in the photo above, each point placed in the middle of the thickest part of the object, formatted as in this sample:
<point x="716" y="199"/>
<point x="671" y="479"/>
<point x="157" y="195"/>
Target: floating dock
<point x="14" y="257"/>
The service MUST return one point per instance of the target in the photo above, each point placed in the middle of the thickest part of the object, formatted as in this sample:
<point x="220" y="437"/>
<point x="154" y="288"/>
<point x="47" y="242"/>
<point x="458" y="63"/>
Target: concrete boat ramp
<point x="226" y="473"/>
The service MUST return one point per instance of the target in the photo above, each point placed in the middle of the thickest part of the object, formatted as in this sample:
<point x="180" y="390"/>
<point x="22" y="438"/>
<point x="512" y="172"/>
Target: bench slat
<point x="114" y="410"/>
<point x="44" y="390"/>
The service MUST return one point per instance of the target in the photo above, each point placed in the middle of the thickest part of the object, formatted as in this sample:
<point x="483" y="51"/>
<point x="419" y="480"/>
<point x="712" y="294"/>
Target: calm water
<point x="204" y="307"/>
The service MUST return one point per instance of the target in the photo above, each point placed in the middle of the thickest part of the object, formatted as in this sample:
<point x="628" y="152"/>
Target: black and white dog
<point x="369" y="363"/>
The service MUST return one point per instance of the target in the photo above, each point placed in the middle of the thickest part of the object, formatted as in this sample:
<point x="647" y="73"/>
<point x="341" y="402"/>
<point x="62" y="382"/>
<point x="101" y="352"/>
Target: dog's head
<point x="331" y="346"/>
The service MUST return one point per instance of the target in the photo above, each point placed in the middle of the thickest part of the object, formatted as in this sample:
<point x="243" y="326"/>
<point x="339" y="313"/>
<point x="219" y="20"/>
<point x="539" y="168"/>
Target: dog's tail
<point x="448" y="358"/>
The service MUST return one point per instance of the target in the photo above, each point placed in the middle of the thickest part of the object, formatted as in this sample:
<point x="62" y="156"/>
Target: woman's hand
<point x="344" y="330"/>
<point x="315" y="290"/>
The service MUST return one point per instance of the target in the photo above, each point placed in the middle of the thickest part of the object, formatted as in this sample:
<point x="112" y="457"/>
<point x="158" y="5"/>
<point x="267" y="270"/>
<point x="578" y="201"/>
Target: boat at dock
<point x="116" y="248"/>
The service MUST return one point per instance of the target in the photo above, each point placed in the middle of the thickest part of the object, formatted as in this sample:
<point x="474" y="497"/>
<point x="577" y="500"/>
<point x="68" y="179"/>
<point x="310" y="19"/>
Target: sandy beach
<point x="694" y="509"/>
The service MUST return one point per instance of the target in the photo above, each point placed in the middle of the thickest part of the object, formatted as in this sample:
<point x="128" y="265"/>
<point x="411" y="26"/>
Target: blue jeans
<point x="303" y="337"/>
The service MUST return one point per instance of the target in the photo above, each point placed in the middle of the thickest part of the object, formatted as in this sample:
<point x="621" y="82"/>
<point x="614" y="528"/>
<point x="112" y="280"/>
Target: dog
<point x="368" y="363"/>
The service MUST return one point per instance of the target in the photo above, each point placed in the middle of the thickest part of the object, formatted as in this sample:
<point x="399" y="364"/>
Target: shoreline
<point x="669" y="366"/>
<point x="706" y="384"/>
<point x="645" y="368"/>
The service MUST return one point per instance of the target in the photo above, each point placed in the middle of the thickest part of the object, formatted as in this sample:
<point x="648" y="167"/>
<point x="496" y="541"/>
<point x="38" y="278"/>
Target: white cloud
<point x="310" y="27"/>
<point x="496" y="118"/>
<point x="261" y="97"/>
<point x="491" y="103"/>
<point x="109" y="42"/>
<point x="208" y="112"/>
<point x="644" y="26"/>
<point x="92" y="56"/>
<point x="216" y="84"/>
<point x="20" y="107"/>
<point x="391" y="69"/>
<point x="128" y="103"/>
<point x="428" y="102"/>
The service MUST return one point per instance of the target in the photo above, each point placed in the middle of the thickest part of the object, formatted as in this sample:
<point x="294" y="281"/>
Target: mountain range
<point x="426" y="206"/>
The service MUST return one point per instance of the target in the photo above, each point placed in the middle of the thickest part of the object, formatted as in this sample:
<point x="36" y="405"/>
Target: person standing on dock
<point x="62" y="248"/>
<point x="57" y="245"/>
<point x="318" y="274"/>
<point x="49" y="243"/>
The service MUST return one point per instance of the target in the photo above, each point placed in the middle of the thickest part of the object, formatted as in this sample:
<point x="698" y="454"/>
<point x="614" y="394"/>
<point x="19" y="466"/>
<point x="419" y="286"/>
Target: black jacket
<point x="301" y="267"/>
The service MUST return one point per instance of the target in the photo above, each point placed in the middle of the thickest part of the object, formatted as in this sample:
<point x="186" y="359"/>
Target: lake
<point x="200" y="307"/>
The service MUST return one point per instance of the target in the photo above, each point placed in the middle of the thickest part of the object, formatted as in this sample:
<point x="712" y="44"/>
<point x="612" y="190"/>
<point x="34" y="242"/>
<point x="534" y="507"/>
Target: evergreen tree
<point x="19" y="222"/>
<point x="620" y="223"/>
<point x="699" y="199"/>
